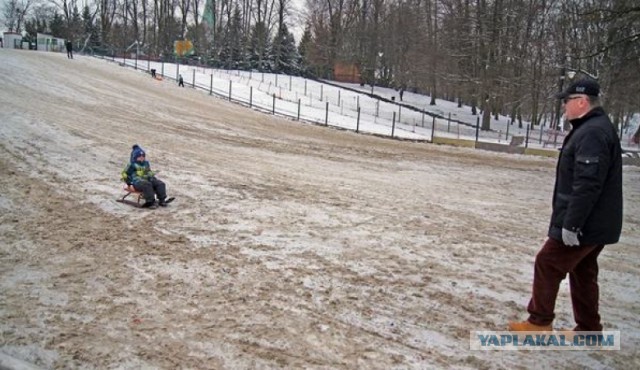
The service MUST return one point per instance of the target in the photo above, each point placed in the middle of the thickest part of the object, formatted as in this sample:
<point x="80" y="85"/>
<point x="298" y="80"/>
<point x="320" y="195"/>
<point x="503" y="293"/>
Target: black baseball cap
<point x="586" y="87"/>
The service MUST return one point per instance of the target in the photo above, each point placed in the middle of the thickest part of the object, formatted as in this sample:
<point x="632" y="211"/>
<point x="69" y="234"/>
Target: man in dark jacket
<point x="69" y="46"/>
<point x="587" y="213"/>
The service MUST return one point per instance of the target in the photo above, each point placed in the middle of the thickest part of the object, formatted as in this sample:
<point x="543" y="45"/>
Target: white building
<point x="11" y="40"/>
<point x="47" y="42"/>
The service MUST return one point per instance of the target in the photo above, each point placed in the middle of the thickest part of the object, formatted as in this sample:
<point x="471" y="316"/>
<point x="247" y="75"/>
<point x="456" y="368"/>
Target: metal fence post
<point x="540" y="140"/>
<point x="477" y="128"/>
<point x="298" y="109"/>
<point x="250" y="96"/>
<point x="274" y="104"/>
<point x="393" y="124"/>
<point x="358" y="121"/>
<point x="193" y="83"/>
<point x="230" y="85"/>
<point x="326" y="115"/>
<point x="433" y="128"/>
<point x="526" y="141"/>
<point x="211" y="85"/>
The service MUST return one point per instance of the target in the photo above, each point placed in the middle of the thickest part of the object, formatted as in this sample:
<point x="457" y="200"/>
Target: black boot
<point x="164" y="201"/>
<point x="151" y="204"/>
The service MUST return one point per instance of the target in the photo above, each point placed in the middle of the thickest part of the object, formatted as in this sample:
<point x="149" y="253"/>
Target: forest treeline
<point x="497" y="56"/>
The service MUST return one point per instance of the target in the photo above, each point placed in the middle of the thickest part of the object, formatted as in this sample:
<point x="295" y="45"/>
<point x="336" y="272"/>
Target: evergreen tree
<point x="90" y="30"/>
<point x="304" y="47"/>
<point x="319" y="53"/>
<point x="75" y="26"/>
<point x="42" y="26"/>
<point x="259" y="48"/>
<point x="57" y="27"/>
<point x="225" y="50"/>
<point x="232" y="53"/>
<point x="285" y="54"/>
<point x="238" y="41"/>
<point x="31" y="28"/>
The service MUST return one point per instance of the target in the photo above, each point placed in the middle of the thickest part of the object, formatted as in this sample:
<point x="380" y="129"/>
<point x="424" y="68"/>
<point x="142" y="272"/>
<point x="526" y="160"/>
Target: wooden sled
<point x="158" y="78"/>
<point x="138" y="195"/>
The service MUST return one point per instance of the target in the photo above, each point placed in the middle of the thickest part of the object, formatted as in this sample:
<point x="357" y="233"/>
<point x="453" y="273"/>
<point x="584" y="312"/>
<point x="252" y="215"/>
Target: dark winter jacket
<point x="135" y="172"/>
<point x="587" y="197"/>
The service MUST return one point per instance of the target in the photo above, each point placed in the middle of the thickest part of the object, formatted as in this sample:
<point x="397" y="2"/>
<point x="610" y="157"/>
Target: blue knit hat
<point x="136" y="152"/>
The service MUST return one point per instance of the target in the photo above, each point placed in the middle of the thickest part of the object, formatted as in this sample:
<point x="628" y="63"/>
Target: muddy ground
<point x="289" y="245"/>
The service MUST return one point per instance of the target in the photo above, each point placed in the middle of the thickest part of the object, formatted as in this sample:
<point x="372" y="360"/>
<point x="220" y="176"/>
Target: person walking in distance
<point x="69" y="46"/>
<point x="586" y="216"/>
<point x="180" y="81"/>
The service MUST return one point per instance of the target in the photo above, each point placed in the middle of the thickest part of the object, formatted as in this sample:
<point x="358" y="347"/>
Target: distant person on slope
<point x="138" y="173"/>
<point x="69" y="49"/>
<point x="180" y="81"/>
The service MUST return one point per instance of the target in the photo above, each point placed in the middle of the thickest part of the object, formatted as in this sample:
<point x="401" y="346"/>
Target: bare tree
<point x="14" y="13"/>
<point x="107" y="13"/>
<point x="185" y="7"/>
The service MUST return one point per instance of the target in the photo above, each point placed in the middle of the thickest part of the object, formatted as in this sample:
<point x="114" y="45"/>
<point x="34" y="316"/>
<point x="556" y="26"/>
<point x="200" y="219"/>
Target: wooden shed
<point x="346" y="72"/>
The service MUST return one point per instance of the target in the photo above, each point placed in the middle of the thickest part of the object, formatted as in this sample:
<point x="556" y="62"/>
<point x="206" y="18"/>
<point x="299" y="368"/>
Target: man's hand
<point x="570" y="238"/>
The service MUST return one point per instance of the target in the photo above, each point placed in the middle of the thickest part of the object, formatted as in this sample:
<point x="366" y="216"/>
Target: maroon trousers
<point x="553" y="262"/>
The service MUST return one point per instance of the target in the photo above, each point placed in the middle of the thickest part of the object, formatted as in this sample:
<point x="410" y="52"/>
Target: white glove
<point x="570" y="238"/>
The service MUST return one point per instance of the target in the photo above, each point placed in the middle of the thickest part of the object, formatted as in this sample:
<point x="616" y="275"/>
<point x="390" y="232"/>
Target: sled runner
<point x="139" y="197"/>
<point x="130" y="190"/>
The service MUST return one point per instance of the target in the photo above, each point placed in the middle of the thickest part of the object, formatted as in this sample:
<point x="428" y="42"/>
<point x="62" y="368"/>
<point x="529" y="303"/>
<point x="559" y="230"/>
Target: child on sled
<point x="138" y="173"/>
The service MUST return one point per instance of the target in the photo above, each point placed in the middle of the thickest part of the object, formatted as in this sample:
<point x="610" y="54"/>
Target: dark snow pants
<point x="553" y="262"/>
<point x="151" y="188"/>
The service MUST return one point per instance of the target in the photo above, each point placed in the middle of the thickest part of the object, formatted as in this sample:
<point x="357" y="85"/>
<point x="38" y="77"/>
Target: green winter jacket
<point x="135" y="172"/>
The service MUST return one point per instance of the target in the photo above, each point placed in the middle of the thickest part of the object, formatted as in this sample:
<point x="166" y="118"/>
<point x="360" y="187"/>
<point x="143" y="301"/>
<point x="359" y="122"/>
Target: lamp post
<point x="573" y="71"/>
<point x="375" y="67"/>
<point x="563" y="71"/>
